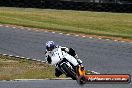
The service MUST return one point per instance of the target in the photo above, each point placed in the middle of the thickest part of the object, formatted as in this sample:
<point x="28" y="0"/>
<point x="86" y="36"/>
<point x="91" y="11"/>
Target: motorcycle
<point x="61" y="60"/>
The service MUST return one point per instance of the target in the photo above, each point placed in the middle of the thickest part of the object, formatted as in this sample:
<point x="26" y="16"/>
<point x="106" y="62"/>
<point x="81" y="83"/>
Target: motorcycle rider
<point x="50" y="46"/>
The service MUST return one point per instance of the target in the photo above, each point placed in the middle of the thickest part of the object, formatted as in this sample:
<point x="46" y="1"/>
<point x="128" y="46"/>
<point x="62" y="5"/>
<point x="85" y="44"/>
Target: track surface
<point x="99" y="55"/>
<point x="58" y="84"/>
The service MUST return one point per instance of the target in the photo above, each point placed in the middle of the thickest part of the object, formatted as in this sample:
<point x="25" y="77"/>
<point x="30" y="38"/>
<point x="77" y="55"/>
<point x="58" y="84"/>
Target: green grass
<point x="99" y="23"/>
<point x="12" y="68"/>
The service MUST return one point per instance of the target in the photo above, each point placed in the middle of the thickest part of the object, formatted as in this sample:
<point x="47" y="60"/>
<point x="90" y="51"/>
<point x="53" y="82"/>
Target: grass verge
<point x="98" y="23"/>
<point x="13" y="68"/>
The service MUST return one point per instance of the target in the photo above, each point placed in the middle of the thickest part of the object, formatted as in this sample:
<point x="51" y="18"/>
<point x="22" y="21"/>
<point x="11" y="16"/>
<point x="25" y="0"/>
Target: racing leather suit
<point x="48" y="55"/>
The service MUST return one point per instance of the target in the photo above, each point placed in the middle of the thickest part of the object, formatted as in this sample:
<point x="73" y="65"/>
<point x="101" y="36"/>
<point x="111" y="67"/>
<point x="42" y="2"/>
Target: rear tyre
<point x="81" y="80"/>
<point x="69" y="72"/>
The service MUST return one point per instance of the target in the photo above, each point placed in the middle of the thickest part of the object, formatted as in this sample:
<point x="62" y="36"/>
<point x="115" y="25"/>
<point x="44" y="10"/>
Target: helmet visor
<point x="50" y="48"/>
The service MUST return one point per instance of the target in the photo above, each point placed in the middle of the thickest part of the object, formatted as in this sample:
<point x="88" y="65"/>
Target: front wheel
<point x="69" y="71"/>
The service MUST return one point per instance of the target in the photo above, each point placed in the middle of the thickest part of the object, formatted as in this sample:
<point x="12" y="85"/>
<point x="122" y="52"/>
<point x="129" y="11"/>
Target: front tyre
<point x="69" y="71"/>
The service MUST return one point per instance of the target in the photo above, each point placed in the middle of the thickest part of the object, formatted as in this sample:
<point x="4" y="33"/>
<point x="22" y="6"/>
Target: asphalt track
<point x="103" y="56"/>
<point x="57" y="84"/>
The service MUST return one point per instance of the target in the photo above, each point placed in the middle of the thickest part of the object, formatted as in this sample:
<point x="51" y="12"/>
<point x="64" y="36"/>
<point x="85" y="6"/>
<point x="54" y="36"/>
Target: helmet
<point x="50" y="45"/>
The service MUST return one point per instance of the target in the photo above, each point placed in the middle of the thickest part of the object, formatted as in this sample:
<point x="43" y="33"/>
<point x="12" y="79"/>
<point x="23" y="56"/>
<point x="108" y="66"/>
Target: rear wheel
<point x="81" y="80"/>
<point x="69" y="71"/>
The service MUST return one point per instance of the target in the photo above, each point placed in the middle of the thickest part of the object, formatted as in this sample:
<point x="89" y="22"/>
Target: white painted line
<point x="11" y="55"/>
<point x="11" y="80"/>
<point x="7" y="26"/>
<point x="22" y="57"/>
<point x="43" y="61"/>
<point x="83" y="36"/>
<point x="34" y="59"/>
<point x="5" y="54"/>
<point x="77" y="35"/>
<point x="95" y="72"/>
<point x="14" y="27"/>
<point x="1" y="25"/>
<point x="60" y="79"/>
<point x="115" y="40"/>
<point x="28" y="29"/>
<point x="122" y="41"/>
<point x="107" y="39"/>
<point x="45" y="31"/>
<point x="90" y="37"/>
<point x="67" y="34"/>
<point x="53" y="32"/>
<point x="4" y="80"/>
<point x="17" y="56"/>
<point x="60" y="33"/>
<point x="99" y="38"/>
<point x="28" y="58"/>
<point x="39" y="60"/>
<point x="28" y="79"/>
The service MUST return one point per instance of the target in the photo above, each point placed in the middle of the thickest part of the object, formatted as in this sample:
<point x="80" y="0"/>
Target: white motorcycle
<point x="62" y="60"/>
